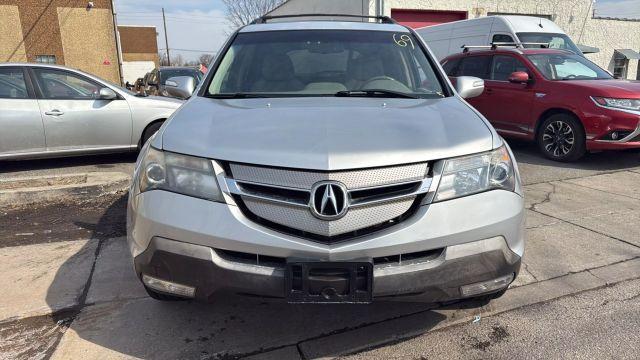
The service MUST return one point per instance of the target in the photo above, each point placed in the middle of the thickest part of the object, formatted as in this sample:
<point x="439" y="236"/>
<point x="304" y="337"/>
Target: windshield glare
<point x="555" y="41"/>
<point x="567" y="67"/>
<point x="323" y="63"/>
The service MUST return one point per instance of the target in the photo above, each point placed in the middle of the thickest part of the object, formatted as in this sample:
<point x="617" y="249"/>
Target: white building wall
<point x="574" y="16"/>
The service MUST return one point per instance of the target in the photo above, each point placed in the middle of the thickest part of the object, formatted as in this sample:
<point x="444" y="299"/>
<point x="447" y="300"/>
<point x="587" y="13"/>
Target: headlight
<point x="476" y="173"/>
<point x="188" y="175"/>
<point x="626" y="104"/>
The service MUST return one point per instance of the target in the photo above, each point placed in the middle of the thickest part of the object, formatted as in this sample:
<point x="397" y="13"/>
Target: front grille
<point x="300" y="218"/>
<point x="280" y="198"/>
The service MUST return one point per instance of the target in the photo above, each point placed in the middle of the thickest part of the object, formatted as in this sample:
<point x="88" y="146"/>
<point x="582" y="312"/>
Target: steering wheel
<point x="394" y="84"/>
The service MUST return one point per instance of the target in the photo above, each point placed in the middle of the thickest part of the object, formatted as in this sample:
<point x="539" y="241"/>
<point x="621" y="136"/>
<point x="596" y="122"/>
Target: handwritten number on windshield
<point x="403" y="40"/>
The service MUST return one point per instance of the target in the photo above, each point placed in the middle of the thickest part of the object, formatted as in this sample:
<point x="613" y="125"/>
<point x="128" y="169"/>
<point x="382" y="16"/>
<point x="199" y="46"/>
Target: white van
<point x="447" y="39"/>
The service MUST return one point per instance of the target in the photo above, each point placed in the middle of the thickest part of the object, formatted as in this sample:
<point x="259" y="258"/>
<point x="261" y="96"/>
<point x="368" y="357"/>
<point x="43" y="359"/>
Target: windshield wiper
<point x="375" y="93"/>
<point x="238" y="95"/>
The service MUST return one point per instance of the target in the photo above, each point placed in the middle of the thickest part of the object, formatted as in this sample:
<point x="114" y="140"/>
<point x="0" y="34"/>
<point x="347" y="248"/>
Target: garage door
<point x="421" y="18"/>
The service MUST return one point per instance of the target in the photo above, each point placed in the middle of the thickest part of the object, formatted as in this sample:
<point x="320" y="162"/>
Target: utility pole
<point x="118" y="44"/>
<point x="166" y="39"/>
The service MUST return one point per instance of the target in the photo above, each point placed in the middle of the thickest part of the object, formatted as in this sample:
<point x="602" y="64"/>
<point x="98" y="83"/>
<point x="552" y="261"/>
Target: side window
<point x="451" y="66"/>
<point x="12" y="84"/>
<point x="504" y="65"/>
<point x="477" y="66"/>
<point x="60" y="84"/>
<point x="502" y="38"/>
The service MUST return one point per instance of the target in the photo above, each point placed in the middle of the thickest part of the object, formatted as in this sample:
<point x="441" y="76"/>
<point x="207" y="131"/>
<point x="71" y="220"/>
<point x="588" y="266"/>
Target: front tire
<point x="149" y="131"/>
<point x="561" y="138"/>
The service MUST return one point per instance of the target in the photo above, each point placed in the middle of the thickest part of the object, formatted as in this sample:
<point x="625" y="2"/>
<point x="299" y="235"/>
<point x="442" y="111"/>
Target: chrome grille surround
<point x="281" y="197"/>
<point x="352" y="179"/>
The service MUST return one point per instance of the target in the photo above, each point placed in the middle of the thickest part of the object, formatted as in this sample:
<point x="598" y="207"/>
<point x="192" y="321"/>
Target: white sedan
<point x="52" y="111"/>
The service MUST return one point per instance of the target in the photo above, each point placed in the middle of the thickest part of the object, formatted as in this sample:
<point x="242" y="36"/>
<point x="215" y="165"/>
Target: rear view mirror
<point x="469" y="86"/>
<point x="519" y="77"/>
<point x="181" y="87"/>
<point x="107" y="94"/>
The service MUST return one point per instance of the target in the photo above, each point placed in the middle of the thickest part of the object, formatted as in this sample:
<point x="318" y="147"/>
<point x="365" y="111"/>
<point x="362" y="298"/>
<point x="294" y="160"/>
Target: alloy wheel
<point x="558" y="138"/>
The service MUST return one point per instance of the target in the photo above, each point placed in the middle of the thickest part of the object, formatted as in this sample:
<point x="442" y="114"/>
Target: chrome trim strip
<point x="234" y="187"/>
<point x="424" y="188"/>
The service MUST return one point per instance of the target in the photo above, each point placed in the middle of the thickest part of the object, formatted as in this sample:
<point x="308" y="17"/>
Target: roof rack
<point x="381" y="19"/>
<point x="495" y="45"/>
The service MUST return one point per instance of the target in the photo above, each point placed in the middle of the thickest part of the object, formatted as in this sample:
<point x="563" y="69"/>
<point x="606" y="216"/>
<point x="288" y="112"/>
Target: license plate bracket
<point x="329" y="282"/>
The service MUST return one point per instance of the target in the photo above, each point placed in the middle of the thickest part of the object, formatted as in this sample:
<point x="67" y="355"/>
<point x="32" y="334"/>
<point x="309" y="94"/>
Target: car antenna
<point x="540" y="23"/>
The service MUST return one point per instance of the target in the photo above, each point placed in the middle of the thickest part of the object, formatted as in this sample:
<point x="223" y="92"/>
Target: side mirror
<point x="469" y="86"/>
<point x="519" y="77"/>
<point x="181" y="87"/>
<point x="107" y="94"/>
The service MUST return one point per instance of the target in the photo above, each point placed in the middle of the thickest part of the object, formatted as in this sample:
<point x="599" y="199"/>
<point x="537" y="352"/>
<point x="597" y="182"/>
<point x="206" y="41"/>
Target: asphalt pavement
<point x="70" y="291"/>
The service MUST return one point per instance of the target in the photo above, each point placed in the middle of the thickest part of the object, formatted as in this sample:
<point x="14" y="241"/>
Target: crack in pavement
<point x="526" y="268"/>
<point x="581" y="177"/>
<point x="547" y="198"/>
<point x="600" y="190"/>
<point x="588" y="229"/>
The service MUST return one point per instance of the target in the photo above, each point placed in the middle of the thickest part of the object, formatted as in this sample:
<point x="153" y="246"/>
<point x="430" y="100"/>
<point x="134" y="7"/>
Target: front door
<point x="73" y="116"/>
<point x="21" y="129"/>
<point x="510" y="104"/>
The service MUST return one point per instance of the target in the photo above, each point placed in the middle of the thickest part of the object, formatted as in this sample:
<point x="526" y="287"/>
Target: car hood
<point x="611" y="88"/>
<point x="326" y="133"/>
<point x="157" y="102"/>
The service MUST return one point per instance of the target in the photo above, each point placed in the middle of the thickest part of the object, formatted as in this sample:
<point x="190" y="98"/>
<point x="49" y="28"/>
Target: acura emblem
<point x="329" y="200"/>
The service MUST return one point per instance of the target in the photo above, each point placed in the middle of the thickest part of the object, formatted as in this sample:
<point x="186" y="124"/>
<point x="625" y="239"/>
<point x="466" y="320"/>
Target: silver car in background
<point x="327" y="162"/>
<point x="50" y="111"/>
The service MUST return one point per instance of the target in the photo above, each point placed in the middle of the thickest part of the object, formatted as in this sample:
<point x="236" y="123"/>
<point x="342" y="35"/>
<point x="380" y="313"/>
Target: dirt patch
<point x="69" y="219"/>
<point x="19" y="183"/>
<point x="32" y="338"/>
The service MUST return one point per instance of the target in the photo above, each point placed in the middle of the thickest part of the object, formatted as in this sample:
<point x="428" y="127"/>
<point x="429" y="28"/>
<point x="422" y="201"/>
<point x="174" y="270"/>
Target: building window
<point x="620" y="68"/>
<point x="46" y="59"/>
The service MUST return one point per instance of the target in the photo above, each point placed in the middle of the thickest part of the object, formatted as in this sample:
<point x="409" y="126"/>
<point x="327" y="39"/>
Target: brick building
<point x="78" y="34"/>
<point x="617" y="40"/>
<point x="139" y="50"/>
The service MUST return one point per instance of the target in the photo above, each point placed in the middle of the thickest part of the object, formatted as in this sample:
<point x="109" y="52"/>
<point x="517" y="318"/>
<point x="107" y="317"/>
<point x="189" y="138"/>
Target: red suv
<point x="564" y="102"/>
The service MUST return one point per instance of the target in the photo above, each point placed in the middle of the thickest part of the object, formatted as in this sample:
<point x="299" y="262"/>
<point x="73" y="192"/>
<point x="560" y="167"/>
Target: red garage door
<point x="421" y="18"/>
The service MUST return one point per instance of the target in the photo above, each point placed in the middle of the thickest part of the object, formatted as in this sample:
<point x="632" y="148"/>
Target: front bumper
<point x="471" y="239"/>
<point x="602" y="121"/>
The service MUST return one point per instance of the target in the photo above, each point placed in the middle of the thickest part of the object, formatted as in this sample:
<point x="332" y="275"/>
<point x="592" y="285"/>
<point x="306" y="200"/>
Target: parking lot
<point x="70" y="290"/>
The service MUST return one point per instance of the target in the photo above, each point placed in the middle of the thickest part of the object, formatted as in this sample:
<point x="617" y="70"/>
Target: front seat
<point x="362" y="69"/>
<point x="277" y="75"/>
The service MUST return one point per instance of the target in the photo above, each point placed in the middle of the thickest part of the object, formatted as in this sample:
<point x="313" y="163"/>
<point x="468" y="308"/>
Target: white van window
<point x="502" y="38"/>
<point x="555" y="41"/>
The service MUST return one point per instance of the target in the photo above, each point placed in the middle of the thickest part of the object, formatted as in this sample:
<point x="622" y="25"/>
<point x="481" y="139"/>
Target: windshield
<point x="555" y="41"/>
<point x="567" y="67"/>
<point x="325" y="63"/>
<point x="169" y="73"/>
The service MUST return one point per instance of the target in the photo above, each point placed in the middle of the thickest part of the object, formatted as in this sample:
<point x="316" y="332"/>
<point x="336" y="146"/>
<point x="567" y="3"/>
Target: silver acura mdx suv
<point x="327" y="162"/>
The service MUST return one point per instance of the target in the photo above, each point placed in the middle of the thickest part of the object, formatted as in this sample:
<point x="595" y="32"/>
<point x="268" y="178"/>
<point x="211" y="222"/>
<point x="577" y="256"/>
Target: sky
<point x="194" y="26"/>
<point x="199" y="26"/>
